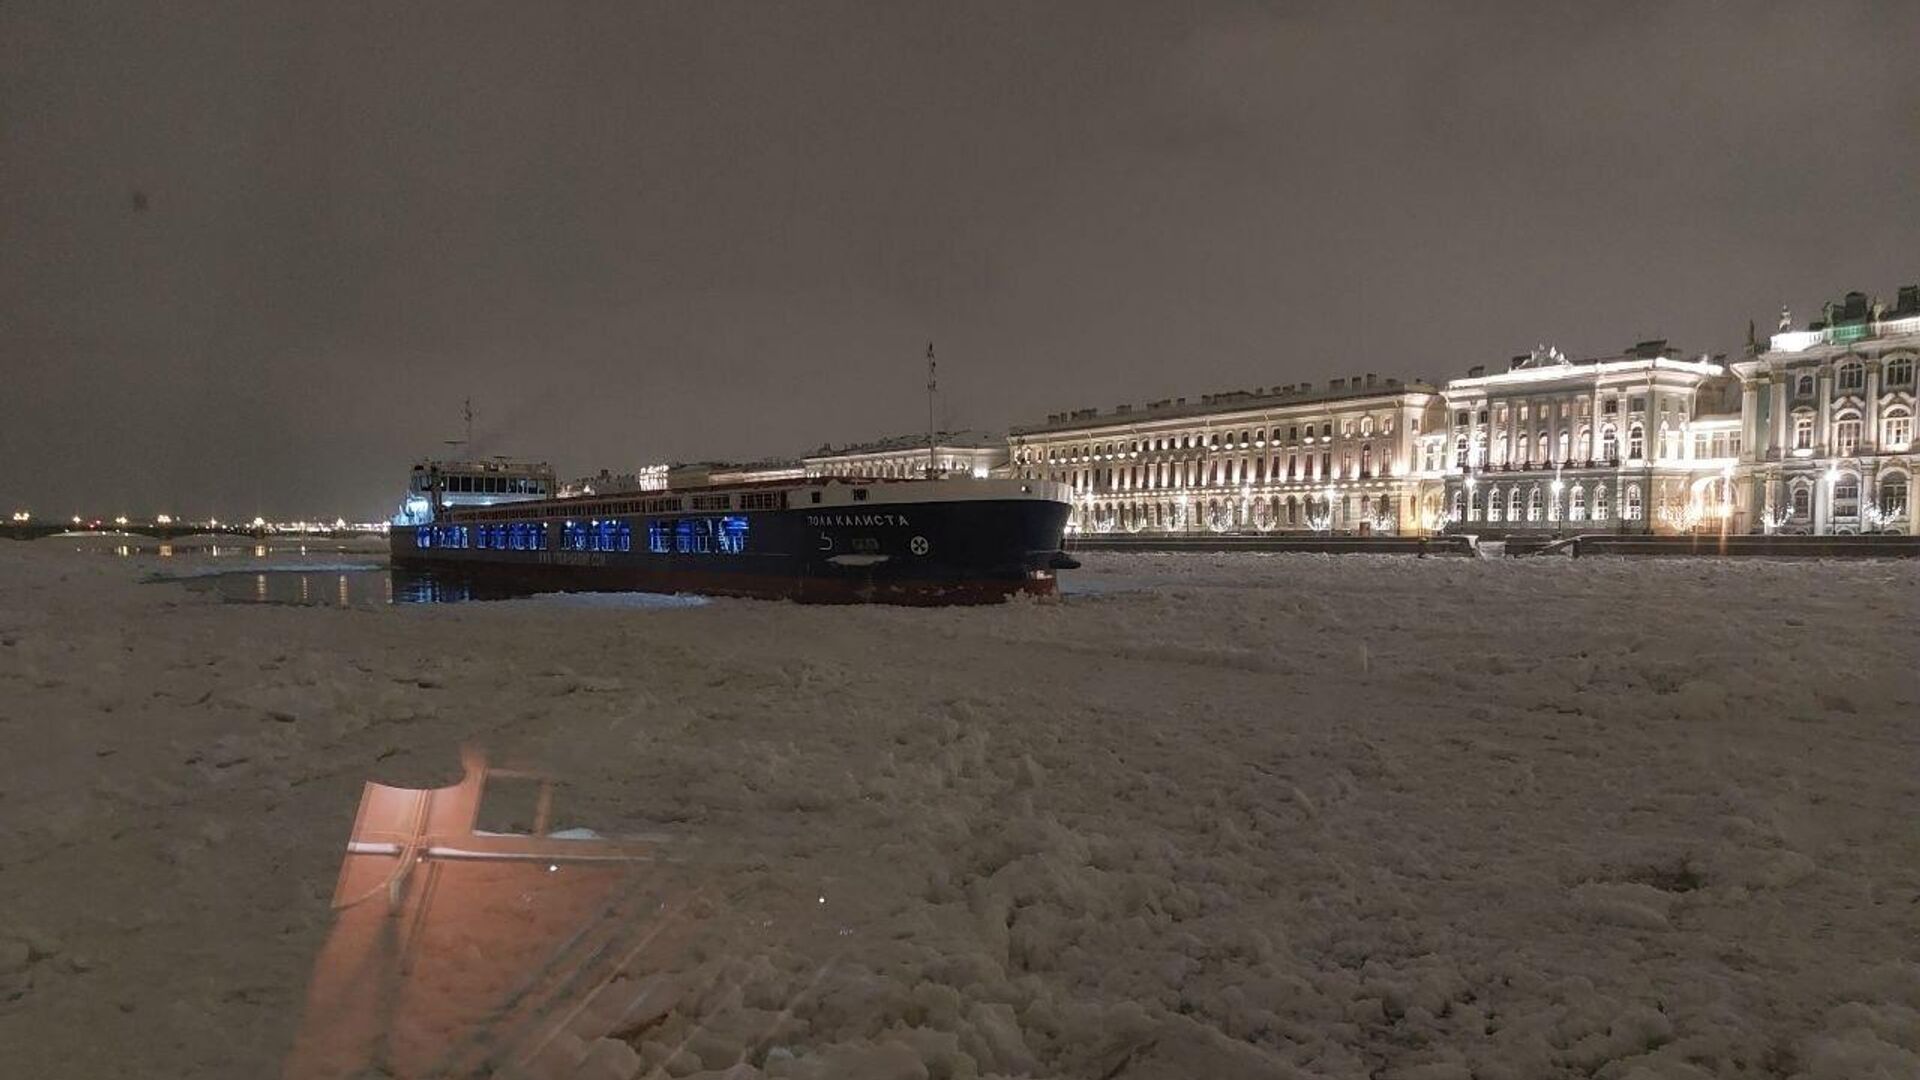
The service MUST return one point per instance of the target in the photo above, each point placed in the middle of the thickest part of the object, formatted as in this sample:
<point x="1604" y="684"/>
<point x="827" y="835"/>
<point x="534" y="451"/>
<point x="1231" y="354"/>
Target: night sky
<point x="253" y="255"/>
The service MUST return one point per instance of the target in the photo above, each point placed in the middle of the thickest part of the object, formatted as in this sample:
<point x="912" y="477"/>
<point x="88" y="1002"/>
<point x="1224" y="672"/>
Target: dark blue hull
<point x="953" y="552"/>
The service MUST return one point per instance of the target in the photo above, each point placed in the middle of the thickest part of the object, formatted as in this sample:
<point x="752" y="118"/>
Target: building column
<point x="1778" y="404"/>
<point x="1822" y="492"/>
<point x="1823" y="411"/>
<point x="1749" y="421"/>
<point x="1870" y="433"/>
<point x="1593" y="428"/>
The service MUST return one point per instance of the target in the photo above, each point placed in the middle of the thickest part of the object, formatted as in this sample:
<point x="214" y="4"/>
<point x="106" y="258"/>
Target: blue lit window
<point x="423" y="536"/>
<point x="659" y="536"/>
<point x="604" y="535"/>
<point x="731" y="537"/>
<point x="623" y="536"/>
<point x="693" y="536"/>
<point x="573" y="536"/>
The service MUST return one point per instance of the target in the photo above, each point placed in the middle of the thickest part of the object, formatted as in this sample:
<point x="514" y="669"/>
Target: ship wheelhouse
<point x="435" y="487"/>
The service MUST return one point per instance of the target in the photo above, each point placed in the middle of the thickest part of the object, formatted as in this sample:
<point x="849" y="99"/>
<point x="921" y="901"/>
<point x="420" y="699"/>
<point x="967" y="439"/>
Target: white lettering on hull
<point x="818" y="520"/>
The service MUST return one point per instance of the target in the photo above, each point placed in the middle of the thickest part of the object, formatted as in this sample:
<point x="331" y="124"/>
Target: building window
<point x="1513" y="503"/>
<point x="1897" y="430"/>
<point x="1533" y="503"/>
<point x="1846" y="496"/>
<point x="1610" y="407"/>
<point x="1846" y="436"/>
<point x="1893" y="495"/>
<point x="1900" y="371"/>
<point x="1609" y="442"/>
<point x="1577" y="504"/>
<point x="1493" y="506"/>
<point x="1599" y="502"/>
<point x="1630" y="503"/>
<point x="1803" y="386"/>
<point x="1473" y="505"/>
<point x="1850" y="376"/>
<point x="1636" y="447"/>
<point x="1803" y="430"/>
<point x="1564" y="437"/>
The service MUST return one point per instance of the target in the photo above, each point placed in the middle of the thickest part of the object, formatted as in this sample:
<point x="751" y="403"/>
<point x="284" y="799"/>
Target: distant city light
<point x="21" y="516"/>
<point x="163" y="519"/>
<point x="120" y="519"/>
<point x="259" y="522"/>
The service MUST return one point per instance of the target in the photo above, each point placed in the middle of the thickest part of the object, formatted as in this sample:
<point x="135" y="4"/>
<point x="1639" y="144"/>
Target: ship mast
<point x="931" y="382"/>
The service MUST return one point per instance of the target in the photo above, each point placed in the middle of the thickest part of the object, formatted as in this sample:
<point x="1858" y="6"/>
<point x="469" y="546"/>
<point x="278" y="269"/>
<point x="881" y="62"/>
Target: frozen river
<point x="1207" y="816"/>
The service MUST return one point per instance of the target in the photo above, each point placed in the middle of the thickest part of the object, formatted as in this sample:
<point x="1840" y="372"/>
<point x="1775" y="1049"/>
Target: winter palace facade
<point x="1811" y="432"/>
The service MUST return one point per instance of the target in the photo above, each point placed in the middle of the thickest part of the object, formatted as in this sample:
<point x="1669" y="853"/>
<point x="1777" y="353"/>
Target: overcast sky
<point x="253" y="256"/>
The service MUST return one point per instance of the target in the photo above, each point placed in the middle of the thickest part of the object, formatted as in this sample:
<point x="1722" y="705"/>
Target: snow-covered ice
<point x="1213" y="816"/>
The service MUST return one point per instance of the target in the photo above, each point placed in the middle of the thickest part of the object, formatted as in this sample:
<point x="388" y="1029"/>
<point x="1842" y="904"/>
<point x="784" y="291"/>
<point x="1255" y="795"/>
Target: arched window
<point x="1896" y="429"/>
<point x="1630" y="503"/>
<point x="1609" y="444"/>
<point x="1533" y="503"/>
<point x="1564" y="437"/>
<point x="1293" y="511"/>
<point x="1456" y="506"/>
<point x="1600" y="502"/>
<point x="1636" y="448"/>
<point x="1366" y="425"/>
<point x="1473" y="506"/>
<point x="1500" y="450"/>
<point x="1493" y="506"/>
<point x="1803" y="386"/>
<point x="1577" y="504"/>
<point x="1460" y="452"/>
<point x="1802" y="501"/>
<point x="1900" y="371"/>
<point x="1893" y="495"/>
<point x="1846" y="434"/>
<point x="1366" y="460"/>
<point x="1850" y="376"/>
<point x="1513" y="503"/>
<point x="1803" y="429"/>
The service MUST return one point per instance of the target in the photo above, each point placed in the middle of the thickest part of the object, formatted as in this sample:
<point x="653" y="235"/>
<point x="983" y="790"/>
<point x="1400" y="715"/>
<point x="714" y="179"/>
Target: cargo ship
<point x="808" y="539"/>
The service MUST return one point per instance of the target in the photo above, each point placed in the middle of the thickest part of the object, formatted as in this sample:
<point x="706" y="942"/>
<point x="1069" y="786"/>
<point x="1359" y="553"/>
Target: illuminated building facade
<point x="1828" y="420"/>
<point x="955" y="454"/>
<point x="1641" y="442"/>
<point x="1290" y="458"/>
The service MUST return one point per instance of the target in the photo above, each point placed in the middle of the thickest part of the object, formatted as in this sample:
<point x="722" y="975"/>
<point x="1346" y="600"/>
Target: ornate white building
<point x="1641" y="442"/>
<point x="955" y="454"/>
<point x="1813" y="434"/>
<point x="1288" y="458"/>
<point x="1828" y="420"/>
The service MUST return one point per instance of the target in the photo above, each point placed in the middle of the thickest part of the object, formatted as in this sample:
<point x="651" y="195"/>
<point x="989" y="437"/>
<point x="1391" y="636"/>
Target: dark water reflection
<point x="378" y="586"/>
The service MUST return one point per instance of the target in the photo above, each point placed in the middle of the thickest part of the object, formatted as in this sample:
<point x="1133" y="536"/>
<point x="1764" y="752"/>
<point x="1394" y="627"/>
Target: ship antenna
<point x="931" y="383"/>
<point x="468" y="411"/>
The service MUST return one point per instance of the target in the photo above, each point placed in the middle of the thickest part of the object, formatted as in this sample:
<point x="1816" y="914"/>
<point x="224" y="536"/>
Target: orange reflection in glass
<point x="460" y="949"/>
